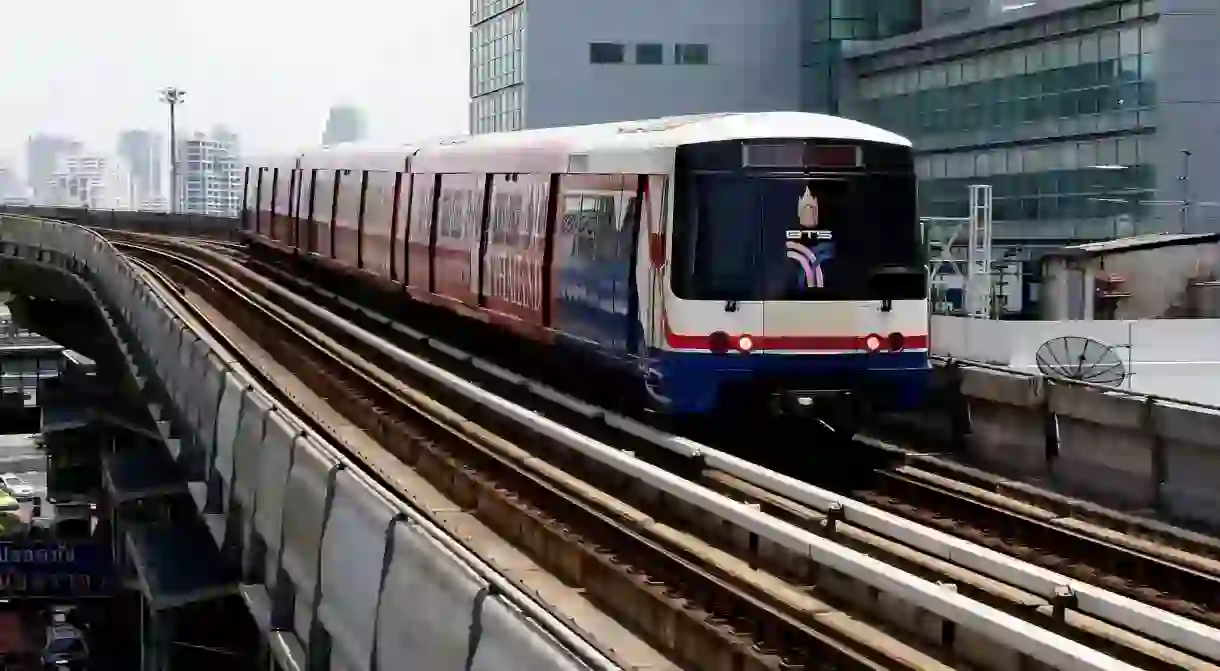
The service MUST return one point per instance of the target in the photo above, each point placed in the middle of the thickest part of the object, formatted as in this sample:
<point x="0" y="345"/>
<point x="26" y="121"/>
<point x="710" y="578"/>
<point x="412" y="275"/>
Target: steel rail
<point x="229" y="354"/>
<point x="1017" y="634"/>
<point x="1148" y="620"/>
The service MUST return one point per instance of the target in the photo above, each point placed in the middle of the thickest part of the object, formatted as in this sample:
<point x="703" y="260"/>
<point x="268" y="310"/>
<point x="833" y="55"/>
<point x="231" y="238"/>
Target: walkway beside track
<point x="346" y="571"/>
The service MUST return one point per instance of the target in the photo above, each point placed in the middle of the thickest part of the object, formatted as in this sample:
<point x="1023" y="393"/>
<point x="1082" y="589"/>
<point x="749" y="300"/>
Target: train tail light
<point x="897" y="342"/>
<point x="745" y="343"/>
<point x="718" y="342"/>
<point x="872" y="343"/>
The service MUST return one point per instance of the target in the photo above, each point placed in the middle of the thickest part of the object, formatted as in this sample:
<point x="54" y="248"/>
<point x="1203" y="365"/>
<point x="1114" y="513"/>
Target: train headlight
<point x="718" y="342"/>
<point x="872" y="343"/>
<point x="745" y="343"/>
<point x="897" y="342"/>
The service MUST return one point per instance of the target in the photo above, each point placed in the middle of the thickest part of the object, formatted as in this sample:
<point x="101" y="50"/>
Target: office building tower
<point x="143" y="152"/>
<point x="539" y="63"/>
<point x="210" y="175"/>
<point x="42" y="155"/>
<point x="91" y="181"/>
<point x="345" y="124"/>
<point x="1090" y="119"/>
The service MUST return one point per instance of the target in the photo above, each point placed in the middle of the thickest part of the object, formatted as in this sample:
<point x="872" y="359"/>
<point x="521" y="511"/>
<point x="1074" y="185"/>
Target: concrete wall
<point x="753" y="48"/>
<point x="1176" y="358"/>
<point x="1123" y="450"/>
<point x="192" y="225"/>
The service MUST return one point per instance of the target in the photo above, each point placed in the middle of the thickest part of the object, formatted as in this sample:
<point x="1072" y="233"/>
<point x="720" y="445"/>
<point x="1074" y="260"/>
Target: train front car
<point x="796" y="274"/>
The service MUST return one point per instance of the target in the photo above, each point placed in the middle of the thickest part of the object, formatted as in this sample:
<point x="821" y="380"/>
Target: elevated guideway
<point x="347" y="543"/>
<point x="346" y="566"/>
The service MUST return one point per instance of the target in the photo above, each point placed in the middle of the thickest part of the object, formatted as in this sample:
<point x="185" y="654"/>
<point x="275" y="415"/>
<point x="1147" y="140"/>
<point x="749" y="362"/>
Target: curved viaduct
<point x="199" y="468"/>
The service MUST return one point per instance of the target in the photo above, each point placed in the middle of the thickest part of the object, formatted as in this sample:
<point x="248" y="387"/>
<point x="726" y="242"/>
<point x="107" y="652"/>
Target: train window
<point x="783" y="238"/>
<point x="347" y="216"/>
<point x="597" y="217"/>
<point x="323" y="209"/>
<point x="460" y="207"/>
<point x="423" y="187"/>
<point x="378" y="207"/>
<point x="505" y="220"/>
<point x="303" y="193"/>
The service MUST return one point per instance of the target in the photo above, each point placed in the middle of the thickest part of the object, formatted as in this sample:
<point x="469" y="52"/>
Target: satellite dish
<point x="1083" y="359"/>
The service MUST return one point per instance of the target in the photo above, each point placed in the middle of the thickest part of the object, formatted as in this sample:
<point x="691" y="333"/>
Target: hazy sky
<point x="270" y="69"/>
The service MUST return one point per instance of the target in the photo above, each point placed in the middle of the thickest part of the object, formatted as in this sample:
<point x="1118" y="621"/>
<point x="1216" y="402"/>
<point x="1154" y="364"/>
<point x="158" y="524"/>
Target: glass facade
<point x="497" y="65"/>
<point x="827" y="24"/>
<point x="497" y="111"/>
<point x="1058" y="115"/>
<point x="1093" y="73"/>
<point x="1063" y="190"/>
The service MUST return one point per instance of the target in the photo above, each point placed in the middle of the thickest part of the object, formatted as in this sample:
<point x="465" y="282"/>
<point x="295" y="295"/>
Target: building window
<point x="649" y="54"/>
<point x="606" y="52"/>
<point x="690" y="54"/>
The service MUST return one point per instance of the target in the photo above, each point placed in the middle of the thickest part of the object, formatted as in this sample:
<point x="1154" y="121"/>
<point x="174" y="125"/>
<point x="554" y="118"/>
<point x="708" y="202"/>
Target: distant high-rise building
<point x="142" y="151"/>
<point x="210" y="173"/>
<point x="10" y="183"/>
<point x="91" y="181"/>
<point x="345" y="124"/>
<point x="42" y="156"/>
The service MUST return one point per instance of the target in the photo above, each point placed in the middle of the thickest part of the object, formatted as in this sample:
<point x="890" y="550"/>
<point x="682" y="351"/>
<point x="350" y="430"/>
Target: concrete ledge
<point x="1018" y="390"/>
<point x="1123" y="450"/>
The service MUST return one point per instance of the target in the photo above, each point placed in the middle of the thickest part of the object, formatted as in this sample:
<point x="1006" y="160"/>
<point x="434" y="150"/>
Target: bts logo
<point x="807" y="216"/>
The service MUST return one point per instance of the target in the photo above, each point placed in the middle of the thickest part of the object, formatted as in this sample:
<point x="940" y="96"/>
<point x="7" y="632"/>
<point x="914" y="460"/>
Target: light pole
<point x="173" y="97"/>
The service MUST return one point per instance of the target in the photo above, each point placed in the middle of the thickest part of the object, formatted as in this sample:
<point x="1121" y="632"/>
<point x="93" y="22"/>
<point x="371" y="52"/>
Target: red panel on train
<point x="516" y="239"/>
<point x="378" y="211"/>
<point x="347" y="218"/>
<point x="460" y="209"/>
<point x="419" y="230"/>
<point x="398" y="245"/>
<point x="323" y="204"/>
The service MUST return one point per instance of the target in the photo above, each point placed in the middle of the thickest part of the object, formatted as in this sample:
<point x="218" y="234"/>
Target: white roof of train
<point x="641" y="147"/>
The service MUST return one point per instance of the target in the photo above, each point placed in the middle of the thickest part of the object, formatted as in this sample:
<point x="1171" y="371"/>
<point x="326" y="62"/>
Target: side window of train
<point x="461" y="206"/>
<point x="597" y="216"/>
<point x="323" y="195"/>
<point x="423" y="186"/>
<point x="304" y="193"/>
<point x="507" y="215"/>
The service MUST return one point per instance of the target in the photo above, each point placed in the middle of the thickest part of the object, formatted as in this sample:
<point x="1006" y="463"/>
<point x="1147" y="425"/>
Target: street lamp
<point x="173" y="97"/>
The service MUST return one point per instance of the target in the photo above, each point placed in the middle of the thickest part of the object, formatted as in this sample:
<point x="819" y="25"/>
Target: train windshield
<point x="759" y="236"/>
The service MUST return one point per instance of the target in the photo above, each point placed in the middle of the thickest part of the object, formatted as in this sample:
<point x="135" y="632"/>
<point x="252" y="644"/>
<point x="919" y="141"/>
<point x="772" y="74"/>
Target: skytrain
<point x="715" y="259"/>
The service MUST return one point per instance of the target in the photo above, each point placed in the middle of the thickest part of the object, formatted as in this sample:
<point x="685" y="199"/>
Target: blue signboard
<point x="43" y="569"/>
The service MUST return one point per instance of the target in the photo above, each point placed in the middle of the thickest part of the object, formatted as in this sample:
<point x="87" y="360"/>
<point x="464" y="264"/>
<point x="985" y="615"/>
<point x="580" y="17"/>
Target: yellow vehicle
<point x="8" y="504"/>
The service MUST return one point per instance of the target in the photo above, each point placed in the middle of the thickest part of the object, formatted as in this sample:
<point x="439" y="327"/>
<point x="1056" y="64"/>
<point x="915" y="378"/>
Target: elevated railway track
<point x="711" y="559"/>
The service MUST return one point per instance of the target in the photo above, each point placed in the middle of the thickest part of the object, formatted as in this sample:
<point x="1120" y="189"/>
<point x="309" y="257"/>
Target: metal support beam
<point x="979" y="283"/>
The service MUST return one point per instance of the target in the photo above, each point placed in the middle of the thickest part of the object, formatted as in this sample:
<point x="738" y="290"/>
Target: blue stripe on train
<point x="692" y="381"/>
